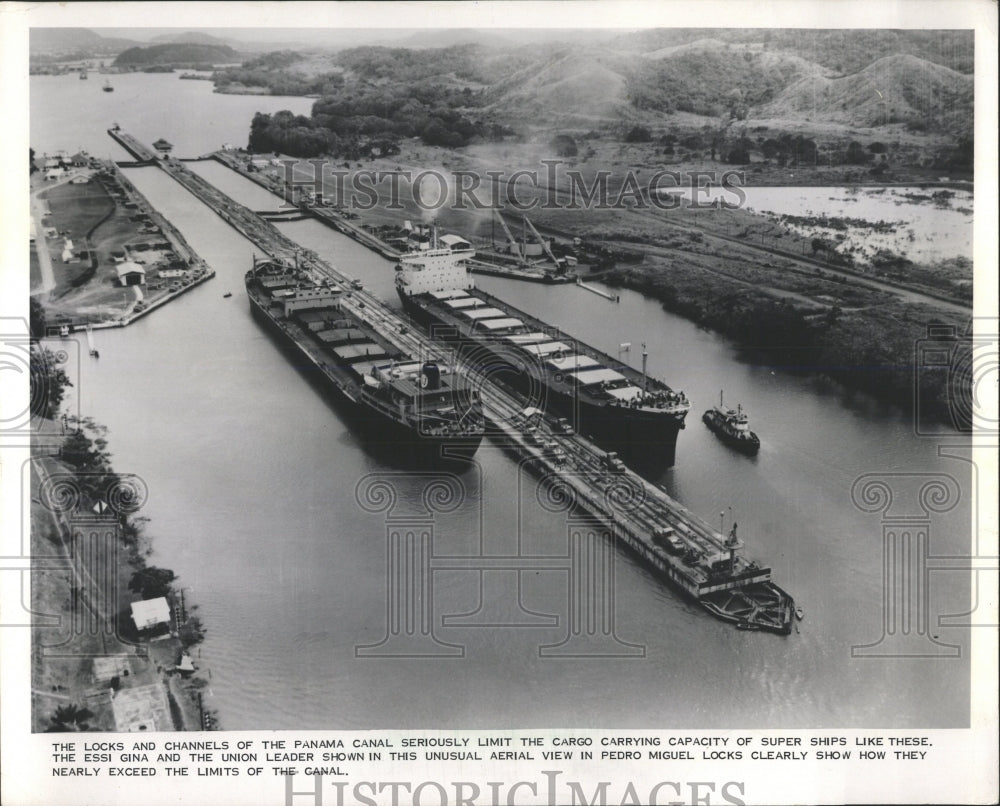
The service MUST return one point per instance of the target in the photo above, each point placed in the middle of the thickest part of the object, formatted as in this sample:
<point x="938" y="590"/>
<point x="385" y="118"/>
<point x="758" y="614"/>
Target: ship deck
<point x="630" y="509"/>
<point x="553" y="354"/>
<point x="609" y="361"/>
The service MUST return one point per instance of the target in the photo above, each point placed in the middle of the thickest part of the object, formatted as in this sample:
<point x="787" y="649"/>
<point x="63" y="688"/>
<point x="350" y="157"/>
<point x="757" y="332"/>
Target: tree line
<point x="366" y="120"/>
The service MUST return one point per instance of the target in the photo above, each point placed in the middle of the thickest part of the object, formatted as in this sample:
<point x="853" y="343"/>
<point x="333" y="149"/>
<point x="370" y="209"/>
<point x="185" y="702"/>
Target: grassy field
<point x="89" y="290"/>
<point x="75" y="211"/>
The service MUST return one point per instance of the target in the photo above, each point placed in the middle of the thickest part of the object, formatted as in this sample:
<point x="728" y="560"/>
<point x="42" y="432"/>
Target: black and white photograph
<point x="499" y="403"/>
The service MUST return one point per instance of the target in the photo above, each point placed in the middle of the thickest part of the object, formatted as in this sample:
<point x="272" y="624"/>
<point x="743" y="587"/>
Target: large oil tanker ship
<point x="414" y="407"/>
<point x="618" y="405"/>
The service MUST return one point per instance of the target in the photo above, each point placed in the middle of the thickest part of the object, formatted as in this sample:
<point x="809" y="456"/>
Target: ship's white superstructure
<point x="436" y="269"/>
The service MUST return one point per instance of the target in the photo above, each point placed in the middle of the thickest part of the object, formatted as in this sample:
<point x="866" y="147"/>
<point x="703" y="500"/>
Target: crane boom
<point x="542" y="241"/>
<point x="514" y="245"/>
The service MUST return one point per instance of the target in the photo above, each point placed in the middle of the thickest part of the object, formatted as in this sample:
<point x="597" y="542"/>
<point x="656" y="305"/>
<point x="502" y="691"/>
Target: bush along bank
<point x="873" y="350"/>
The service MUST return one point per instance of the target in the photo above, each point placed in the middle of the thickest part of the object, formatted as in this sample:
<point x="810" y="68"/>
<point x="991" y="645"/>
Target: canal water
<point x="267" y="506"/>
<point x="68" y="114"/>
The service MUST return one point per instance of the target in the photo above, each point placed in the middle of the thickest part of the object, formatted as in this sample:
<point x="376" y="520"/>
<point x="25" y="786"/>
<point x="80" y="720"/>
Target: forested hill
<point x="842" y="51"/>
<point x="919" y="82"/>
<point x="177" y="53"/>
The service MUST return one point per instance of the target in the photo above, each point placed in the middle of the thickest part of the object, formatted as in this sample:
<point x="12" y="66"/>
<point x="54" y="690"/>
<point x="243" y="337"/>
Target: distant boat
<point x="83" y="75"/>
<point x="107" y="87"/>
<point x="227" y="295"/>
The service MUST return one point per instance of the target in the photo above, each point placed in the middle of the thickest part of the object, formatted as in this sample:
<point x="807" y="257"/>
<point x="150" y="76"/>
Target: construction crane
<point x="542" y="241"/>
<point x="515" y="248"/>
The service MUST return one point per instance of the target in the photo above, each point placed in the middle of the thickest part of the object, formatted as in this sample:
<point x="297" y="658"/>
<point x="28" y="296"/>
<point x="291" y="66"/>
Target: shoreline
<point x="121" y="678"/>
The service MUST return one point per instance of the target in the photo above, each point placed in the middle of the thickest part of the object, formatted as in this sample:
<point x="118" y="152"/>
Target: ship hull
<point x="646" y="437"/>
<point x="393" y="441"/>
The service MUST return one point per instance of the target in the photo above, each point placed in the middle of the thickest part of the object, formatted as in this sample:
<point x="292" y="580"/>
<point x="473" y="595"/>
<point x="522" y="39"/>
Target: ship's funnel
<point x="430" y="376"/>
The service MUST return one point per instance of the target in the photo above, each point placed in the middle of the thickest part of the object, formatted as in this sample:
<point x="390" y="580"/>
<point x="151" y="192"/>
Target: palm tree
<point x="69" y="719"/>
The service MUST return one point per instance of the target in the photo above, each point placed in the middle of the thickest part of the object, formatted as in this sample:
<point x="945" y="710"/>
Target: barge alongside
<point x="621" y="407"/>
<point x="400" y="401"/>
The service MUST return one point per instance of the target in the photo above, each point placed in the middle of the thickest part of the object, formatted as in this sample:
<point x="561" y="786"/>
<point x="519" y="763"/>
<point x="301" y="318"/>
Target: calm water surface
<point x="253" y="476"/>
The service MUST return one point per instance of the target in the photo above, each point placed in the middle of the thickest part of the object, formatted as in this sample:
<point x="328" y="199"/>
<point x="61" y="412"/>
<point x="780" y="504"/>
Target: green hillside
<point x="895" y="89"/>
<point x="176" y="53"/>
<point x="683" y="82"/>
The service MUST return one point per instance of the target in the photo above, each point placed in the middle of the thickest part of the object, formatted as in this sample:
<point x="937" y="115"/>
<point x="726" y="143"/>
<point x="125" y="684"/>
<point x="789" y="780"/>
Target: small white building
<point x="150" y="613"/>
<point x="163" y="148"/>
<point x="455" y="243"/>
<point x="130" y="273"/>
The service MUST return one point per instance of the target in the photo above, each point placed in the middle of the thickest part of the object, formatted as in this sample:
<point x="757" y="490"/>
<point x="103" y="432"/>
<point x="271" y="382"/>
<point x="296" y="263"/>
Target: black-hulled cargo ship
<point x="618" y="405"/>
<point x="416" y="407"/>
<point x="732" y="427"/>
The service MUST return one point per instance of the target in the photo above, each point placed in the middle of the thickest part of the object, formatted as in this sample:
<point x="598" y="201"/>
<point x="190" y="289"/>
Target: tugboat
<point x="732" y="427"/>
